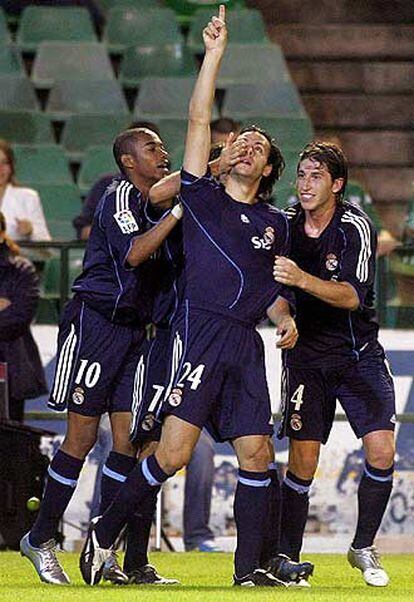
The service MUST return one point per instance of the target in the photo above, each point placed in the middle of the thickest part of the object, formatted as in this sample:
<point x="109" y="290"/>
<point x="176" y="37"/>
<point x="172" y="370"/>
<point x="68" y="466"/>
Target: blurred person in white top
<point x="20" y="206"/>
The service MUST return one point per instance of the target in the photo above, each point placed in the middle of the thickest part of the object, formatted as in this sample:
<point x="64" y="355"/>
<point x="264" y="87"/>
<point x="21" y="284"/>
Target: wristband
<point x="177" y="211"/>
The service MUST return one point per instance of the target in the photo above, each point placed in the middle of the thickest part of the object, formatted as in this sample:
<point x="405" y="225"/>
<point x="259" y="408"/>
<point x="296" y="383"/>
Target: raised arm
<point x="197" y="146"/>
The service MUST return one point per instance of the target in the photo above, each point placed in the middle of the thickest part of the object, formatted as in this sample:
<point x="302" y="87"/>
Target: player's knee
<point x="303" y="463"/>
<point x="255" y="459"/>
<point x="381" y="458"/>
<point x="173" y="459"/>
<point x="78" y="446"/>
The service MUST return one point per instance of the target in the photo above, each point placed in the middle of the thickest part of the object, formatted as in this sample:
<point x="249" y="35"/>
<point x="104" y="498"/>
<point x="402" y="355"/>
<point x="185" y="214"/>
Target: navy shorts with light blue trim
<point x="96" y="363"/>
<point x="364" y="388"/>
<point x="217" y="376"/>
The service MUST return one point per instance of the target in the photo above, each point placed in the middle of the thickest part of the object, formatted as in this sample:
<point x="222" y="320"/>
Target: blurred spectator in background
<point x="20" y="206"/>
<point x="18" y="302"/>
<point x="83" y="222"/>
<point x="221" y="128"/>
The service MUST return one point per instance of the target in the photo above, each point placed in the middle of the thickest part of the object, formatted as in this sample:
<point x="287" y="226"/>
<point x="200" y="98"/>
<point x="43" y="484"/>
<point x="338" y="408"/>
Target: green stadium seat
<point x="48" y="23"/>
<point x="66" y="99"/>
<point x="164" y="97"/>
<point x="22" y="127"/>
<point x="17" y="93"/>
<point x="241" y="65"/>
<point x="45" y="164"/>
<point x="70" y="60"/>
<point x="146" y="27"/>
<point x="4" y="31"/>
<point x="82" y="131"/>
<point x="270" y="99"/>
<point x="173" y="132"/>
<point x="291" y="133"/>
<point x="10" y="61"/>
<point x="106" y="5"/>
<point x="61" y="203"/>
<point x="98" y="161"/>
<point x="51" y="274"/>
<point x="245" y="26"/>
<point x="139" y="62"/>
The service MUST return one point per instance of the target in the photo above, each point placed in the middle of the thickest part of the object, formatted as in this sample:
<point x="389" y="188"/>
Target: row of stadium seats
<point x="164" y="97"/>
<point x="56" y="61"/>
<point x="126" y="26"/>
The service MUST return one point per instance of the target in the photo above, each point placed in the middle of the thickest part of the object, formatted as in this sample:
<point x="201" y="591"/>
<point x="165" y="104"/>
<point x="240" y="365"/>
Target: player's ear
<point x="337" y="185"/>
<point x="267" y="170"/>
<point x="127" y="161"/>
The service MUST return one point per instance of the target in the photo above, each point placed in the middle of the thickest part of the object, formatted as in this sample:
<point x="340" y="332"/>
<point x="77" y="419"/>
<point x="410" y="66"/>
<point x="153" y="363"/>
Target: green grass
<point x="205" y="577"/>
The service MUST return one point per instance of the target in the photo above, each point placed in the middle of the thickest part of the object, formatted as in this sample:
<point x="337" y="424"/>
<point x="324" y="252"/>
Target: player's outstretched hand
<point x="215" y="34"/>
<point x="288" y="333"/>
<point x="287" y="272"/>
<point x="233" y="151"/>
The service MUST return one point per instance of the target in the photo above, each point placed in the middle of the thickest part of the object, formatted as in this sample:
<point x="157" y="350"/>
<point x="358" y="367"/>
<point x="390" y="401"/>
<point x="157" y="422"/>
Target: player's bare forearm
<point x="337" y="294"/>
<point x="197" y="146"/>
<point x="279" y="314"/>
<point x="162" y="193"/>
<point x="144" y="245"/>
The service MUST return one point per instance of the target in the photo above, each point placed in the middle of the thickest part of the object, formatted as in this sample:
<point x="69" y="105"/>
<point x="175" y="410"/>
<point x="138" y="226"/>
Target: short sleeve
<point x="358" y="257"/>
<point x="194" y="187"/>
<point x="122" y="218"/>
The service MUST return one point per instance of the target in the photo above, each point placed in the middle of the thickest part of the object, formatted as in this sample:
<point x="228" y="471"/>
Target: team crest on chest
<point x="244" y="219"/>
<point x="331" y="262"/>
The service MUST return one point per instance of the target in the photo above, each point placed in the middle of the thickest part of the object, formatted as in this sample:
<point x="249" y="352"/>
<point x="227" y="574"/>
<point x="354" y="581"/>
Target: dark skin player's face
<point x="148" y="160"/>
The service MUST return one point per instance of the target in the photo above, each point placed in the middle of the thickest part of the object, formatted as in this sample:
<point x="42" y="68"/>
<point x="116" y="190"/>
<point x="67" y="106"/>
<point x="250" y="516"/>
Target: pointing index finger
<point x="222" y="13"/>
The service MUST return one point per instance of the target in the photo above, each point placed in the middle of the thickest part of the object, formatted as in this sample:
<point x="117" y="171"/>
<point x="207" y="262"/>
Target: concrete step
<point x="344" y="41"/>
<point x="339" y="11"/>
<point x="389" y="148"/>
<point x="386" y="184"/>
<point x="345" y="76"/>
<point x="358" y="111"/>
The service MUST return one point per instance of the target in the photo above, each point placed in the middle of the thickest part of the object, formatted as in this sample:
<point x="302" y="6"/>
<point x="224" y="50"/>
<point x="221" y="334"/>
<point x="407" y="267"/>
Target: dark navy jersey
<point x="344" y="252"/>
<point x="170" y="279"/>
<point x="108" y="284"/>
<point x="229" y="250"/>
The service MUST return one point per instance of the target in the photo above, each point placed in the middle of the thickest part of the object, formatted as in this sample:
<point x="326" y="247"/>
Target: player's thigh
<point x="252" y="452"/>
<point x="81" y="434"/>
<point x="178" y="439"/>
<point x="366" y="393"/>
<point x="308" y="405"/>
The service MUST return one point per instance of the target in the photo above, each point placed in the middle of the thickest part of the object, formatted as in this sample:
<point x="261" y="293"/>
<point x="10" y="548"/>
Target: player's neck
<point x="142" y="184"/>
<point x="316" y="220"/>
<point x="242" y="191"/>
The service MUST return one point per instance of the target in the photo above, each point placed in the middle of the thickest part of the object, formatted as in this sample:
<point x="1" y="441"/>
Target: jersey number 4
<point x="192" y="376"/>
<point x="297" y="397"/>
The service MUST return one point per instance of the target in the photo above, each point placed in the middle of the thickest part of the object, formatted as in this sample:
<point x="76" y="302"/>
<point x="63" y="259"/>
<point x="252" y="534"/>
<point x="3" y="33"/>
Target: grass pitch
<point x="206" y="577"/>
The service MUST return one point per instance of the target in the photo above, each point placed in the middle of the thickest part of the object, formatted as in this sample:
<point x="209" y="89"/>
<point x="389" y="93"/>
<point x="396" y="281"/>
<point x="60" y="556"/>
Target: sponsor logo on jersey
<point x="78" y="396"/>
<point x="175" y="397"/>
<point x="244" y="219"/>
<point x="331" y="262"/>
<point x="393" y="419"/>
<point x="126" y="221"/>
<point x="295" y="422"/>
<point x="266" y="241"/>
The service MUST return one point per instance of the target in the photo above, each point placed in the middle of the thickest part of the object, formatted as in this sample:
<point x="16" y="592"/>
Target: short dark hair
<point x="334" y="159"/>
<point x="8" y="151"/>
<point x="124" y="145"/>
<point x="275" y="159"/>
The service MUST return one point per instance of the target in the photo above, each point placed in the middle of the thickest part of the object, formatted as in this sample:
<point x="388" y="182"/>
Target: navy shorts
<point x="96" y="363"/>
<point x="365" y="390"/>
<point x="217" y="376"/>
<point x="152" y="372"/>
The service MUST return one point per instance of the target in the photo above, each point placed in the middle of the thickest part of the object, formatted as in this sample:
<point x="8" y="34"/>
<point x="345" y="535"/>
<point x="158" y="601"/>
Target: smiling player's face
<point x="315" y="186"/>
<point x="150" y="159"/>
<point x="254" y="163"/>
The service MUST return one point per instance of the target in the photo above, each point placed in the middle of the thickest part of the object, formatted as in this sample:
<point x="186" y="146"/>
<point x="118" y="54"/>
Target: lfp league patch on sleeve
<point x="126" y="221"/>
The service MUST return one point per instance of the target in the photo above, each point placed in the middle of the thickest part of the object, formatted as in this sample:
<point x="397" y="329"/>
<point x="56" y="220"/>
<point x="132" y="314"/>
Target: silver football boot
<point x="44" y="560"/>
<point x="368" y="561"/>
<point x="112" y="572"/>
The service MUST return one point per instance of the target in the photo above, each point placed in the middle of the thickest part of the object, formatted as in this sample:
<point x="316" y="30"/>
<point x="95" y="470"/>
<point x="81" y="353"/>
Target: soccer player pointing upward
<point x="218" y="374"/>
